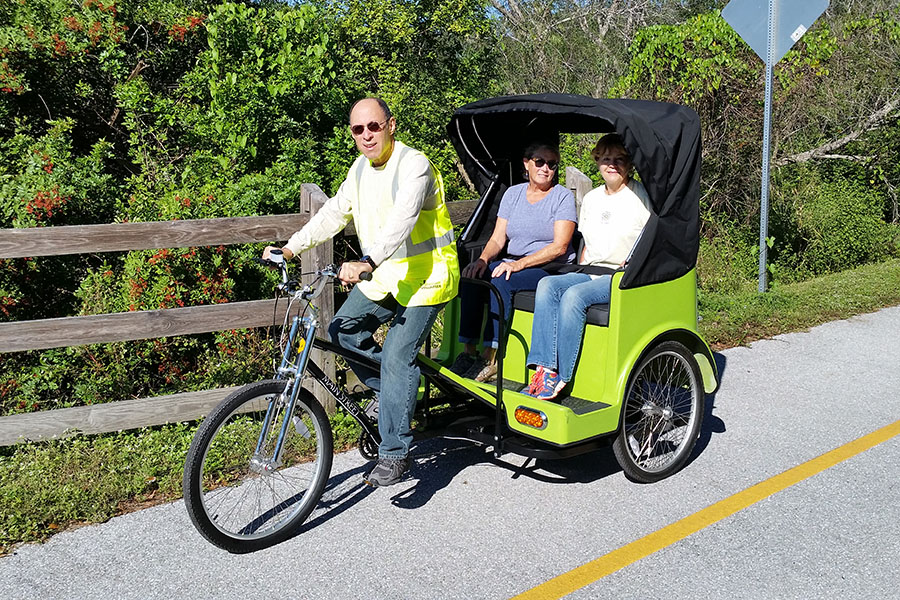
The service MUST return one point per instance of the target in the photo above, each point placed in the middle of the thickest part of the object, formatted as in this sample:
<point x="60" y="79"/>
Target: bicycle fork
<point x="260" y="462"/>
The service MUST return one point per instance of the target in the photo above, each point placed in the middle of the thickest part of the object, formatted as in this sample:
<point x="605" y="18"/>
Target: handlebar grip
<point x="365" y="276"/>
<point x="265" y="262"/>
<point x="276" y="260"/>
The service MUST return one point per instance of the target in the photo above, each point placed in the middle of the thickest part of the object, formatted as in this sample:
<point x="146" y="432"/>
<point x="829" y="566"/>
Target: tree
<point x="132" y="111"/>
<point x="576" y="46"/>
<point x="833" y="89"/>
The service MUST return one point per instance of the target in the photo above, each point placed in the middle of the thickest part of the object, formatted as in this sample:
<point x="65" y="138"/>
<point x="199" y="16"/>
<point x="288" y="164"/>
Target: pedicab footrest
<point x="598" y="314"/>
<point x="580" y="406"/>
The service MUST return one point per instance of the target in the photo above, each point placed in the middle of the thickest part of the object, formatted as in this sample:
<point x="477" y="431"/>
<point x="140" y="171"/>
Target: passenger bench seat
<point x="597" y="314"/>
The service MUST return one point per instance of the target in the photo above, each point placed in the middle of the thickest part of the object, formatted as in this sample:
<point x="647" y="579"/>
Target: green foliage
<point x="835" y="226"/>
<point x="728" y="260"/>
<point x="131" y="111"/>
<point x="345" y="430"/>
<point x="425" y="58"/>
<point x="268" y="75"/>
<point x="688" y="63"/>
<point x="46" y="486"/>
<point x="43" y="182"/>
<point x="834" y="81"/>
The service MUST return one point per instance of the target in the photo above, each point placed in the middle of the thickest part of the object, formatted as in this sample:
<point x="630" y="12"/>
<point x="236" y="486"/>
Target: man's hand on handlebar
<point x="354" y="272"/>
<point x="267" y="253"/>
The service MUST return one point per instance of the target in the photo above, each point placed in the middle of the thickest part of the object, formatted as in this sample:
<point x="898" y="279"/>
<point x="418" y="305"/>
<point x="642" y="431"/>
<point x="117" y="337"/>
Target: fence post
<point x="579" y="183"/>
<point x="311" y="200"/>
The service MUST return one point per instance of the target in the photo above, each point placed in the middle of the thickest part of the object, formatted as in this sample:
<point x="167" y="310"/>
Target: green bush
<point x="46" y="486"/>
<point x="832" y="226"/>
<point x="728" y="262"/>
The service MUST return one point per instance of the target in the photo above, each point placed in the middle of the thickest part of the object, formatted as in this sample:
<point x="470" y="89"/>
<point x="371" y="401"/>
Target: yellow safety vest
<point x="424" y="270"/>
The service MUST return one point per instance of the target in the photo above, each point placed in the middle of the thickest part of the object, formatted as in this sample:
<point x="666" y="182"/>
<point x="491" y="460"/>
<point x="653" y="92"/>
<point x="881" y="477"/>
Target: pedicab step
<point x="579" y="406"/>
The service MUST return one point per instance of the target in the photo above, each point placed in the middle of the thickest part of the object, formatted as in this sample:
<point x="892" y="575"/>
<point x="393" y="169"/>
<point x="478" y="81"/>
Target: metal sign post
<point x="770" y="39"/>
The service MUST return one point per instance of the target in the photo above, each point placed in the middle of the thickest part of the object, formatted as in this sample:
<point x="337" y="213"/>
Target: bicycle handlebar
<point x="277" y="261"/>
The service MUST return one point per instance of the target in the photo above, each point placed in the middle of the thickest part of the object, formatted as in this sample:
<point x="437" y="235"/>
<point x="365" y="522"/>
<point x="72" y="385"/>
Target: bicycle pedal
<point x="371" y="409"/>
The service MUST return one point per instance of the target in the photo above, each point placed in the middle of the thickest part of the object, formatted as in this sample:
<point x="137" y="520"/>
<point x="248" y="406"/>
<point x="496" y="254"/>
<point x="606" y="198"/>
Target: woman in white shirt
<point x="611" y="220"/>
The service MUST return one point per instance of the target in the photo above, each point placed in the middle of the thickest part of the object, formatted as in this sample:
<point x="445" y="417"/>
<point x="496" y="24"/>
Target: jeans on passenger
<point x="472" y="300"/>
<point x="560" y="311"/>
<point x="397" y="382"/>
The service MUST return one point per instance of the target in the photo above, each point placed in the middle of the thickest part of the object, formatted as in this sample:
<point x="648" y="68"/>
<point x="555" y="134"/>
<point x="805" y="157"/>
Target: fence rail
<point x="117" y="327"/>
<point x="95" y="329"/>
<point x="138" y="325"/>
<point x="117" y="237"/>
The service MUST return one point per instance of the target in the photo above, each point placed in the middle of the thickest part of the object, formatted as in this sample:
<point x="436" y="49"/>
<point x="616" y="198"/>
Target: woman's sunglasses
<point x="373" y="126"/>
<point x="540" y="162"/>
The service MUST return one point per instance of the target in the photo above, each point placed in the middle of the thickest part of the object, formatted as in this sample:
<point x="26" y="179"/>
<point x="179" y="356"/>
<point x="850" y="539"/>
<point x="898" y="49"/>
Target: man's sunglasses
<point x="373" y="126"/>
<point x="540" y="162"/>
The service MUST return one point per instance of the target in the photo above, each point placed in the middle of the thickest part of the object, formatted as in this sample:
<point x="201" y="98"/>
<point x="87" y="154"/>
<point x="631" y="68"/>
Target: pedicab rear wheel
<point x="661" y="414"/>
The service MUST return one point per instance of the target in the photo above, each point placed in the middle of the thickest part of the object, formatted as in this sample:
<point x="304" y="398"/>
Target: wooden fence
<point x="42" y="334"/>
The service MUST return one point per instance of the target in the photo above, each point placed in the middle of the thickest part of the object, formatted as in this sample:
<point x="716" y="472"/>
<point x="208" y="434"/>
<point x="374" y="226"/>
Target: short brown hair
<point x="533" y="147"/>
<point x="609" y="142"/>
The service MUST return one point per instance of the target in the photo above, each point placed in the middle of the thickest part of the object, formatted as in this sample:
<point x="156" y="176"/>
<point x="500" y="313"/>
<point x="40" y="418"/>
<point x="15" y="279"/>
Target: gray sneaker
<point x="388" y="471"/>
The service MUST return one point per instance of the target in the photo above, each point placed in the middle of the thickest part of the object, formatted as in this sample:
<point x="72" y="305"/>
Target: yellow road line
<point x="595" y="570"/>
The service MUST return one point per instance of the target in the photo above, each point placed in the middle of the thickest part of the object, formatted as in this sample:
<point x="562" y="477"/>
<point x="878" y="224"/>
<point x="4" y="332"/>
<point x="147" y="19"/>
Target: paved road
<point x="473" y="527"/>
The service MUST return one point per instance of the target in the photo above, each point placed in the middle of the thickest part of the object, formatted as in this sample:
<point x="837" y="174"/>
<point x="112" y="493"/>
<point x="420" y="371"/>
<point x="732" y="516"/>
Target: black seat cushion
<point x="597" y="314"/>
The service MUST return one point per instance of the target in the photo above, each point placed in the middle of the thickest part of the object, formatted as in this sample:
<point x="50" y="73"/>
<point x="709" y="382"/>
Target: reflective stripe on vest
<point x="409" y="249"/>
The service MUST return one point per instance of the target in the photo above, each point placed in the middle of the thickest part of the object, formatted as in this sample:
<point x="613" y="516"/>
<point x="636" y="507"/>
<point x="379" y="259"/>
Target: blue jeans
<point x="472" y="300"/>
<point x="560" y="311"/>
<point x="397" y="382"/>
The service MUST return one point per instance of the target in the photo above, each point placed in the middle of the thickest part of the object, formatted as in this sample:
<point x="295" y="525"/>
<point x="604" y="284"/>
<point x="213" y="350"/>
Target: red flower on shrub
<point x="45" y="202"/>
<point x="177" y="32"/>
<point x="59" y="45"/>
<point x="72" y="23"/>
<point x="95" y="31"/>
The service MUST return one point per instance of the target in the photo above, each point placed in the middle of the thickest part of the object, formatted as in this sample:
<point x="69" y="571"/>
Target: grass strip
<point x="49" y="486"/>
<point x="737" y="319"/>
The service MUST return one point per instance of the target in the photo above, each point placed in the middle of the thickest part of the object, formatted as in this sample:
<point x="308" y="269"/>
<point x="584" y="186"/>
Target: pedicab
<point x="259" y="463"/>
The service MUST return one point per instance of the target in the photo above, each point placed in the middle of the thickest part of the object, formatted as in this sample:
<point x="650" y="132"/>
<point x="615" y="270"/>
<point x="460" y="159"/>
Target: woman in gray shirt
<point x="537" y="219"/>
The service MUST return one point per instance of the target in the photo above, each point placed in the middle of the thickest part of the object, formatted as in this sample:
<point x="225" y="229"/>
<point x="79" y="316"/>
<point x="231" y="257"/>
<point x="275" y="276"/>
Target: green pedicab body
<point x="639" y="318"/>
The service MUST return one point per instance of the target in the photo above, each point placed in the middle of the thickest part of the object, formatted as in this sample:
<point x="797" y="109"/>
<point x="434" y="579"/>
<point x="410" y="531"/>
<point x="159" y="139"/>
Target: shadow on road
<point x="711" y="423"/>
<point x="343" y="491"/>
<point x="439" y="461"/>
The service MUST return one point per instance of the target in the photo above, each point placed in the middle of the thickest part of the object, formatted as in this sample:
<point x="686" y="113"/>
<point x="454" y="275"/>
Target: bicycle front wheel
<point x="239" y="494"/>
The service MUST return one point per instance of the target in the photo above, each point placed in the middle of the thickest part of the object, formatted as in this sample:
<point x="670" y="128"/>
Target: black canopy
<point x="663" y="140"/>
